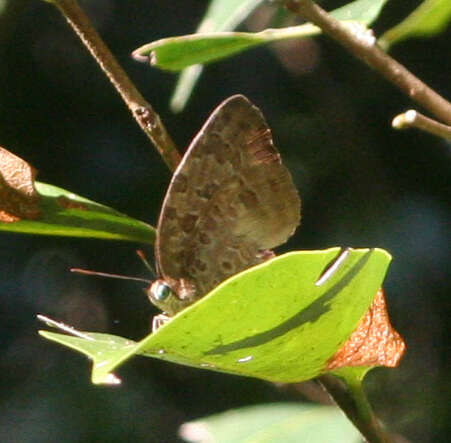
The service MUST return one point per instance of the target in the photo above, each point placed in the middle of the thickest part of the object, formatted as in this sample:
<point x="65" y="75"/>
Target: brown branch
<point x="367" y="50"/>
<point x="142" y="111"/>
<point x="413" y="119"/>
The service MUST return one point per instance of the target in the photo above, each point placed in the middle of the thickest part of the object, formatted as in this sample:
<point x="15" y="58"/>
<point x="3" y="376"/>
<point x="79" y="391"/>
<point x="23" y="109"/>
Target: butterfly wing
<point x="229" y="199"/>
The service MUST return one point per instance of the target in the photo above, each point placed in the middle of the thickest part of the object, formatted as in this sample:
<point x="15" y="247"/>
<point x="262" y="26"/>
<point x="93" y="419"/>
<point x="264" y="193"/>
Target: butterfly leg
<point x="265" y="254"/>
<point x="159" y="320"/>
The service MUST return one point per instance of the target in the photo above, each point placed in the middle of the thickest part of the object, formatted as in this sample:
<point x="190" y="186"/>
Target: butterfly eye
<point x="161" y="291"/>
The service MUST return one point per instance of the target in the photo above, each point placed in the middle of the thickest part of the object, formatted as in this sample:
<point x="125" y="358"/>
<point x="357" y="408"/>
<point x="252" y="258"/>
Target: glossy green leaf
<point x="430" y="18"/>
<point x="177" y="53"/>
<point x="61" y="216"/>
<point x="105" y="350"/>
<point x="276" y="422"/>
<point x="220" y="16"/>
<point x="271" y="321"/>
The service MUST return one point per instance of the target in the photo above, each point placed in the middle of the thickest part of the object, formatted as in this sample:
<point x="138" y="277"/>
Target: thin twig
<point x="367" y="50"/>
<point x="142" y="111"/>
<point x="413" y="119"/>
<point x="365" y="421"/>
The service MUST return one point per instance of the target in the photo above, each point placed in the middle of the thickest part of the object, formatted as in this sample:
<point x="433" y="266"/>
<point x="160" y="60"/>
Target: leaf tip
<point x="105" y="378"/>
<point x="139" y="57"/>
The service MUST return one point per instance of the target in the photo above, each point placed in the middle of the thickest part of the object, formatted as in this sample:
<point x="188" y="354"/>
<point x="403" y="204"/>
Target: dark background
<point x="362" y="183"/>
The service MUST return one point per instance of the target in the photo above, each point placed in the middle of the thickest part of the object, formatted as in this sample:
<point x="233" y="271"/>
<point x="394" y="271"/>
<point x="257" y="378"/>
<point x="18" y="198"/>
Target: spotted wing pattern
<point x="229" y="200"/>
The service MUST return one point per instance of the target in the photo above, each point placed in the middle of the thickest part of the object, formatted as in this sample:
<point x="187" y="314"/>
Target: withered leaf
<point x="373" y="343"/>
<point x="18" y="196"/>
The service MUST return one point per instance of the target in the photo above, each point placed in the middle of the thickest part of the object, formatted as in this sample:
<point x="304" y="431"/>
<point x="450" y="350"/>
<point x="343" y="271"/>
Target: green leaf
<point x="220" y="16"/>
<point x="363" y="11"/>
<point x="67" y="214"/>
<point x="105" y="350"/>
<point x="277" y="422"/>
<point x="177" y="53"/>
<point x="430" y="18"/>
<point x="271" y="321"/>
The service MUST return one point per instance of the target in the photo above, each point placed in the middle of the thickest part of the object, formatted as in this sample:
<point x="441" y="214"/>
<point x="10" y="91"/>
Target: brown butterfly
<point x="229" y="202"/>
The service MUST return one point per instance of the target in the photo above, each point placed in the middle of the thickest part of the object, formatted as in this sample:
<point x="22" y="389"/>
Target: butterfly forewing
<point x="229" y="199"/>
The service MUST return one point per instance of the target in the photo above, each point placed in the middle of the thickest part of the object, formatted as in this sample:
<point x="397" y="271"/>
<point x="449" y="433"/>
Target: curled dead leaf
<point x="373" y="343"/>
<point x="18" y="196"/>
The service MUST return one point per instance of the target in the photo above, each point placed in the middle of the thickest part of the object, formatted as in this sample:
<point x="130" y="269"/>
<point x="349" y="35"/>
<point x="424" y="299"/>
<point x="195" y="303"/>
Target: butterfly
<point x="230" y="201"/>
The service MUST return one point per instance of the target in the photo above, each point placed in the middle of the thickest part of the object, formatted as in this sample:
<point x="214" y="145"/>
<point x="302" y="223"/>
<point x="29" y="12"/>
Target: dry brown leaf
<point x="18" y="196"/>
<point x="373" y="343"/>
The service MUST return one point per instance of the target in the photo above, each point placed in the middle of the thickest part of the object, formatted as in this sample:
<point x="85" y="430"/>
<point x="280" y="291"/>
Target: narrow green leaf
<point x="363" y="11"/>
<point x="271" y="321"/>
<point x="276" y="422"/>
<point x="177" y="53"/>
<point x="220" y="16"/>
<point x="66" y="214"/>
<point x="430" y="18"/>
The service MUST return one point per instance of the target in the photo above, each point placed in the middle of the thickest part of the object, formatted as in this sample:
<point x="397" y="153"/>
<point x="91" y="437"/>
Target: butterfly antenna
<point x="140" y="253"/>
<point x="104" y="274"/>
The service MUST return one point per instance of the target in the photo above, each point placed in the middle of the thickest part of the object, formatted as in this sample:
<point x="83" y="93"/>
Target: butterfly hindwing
<point x="229" y="199"/>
